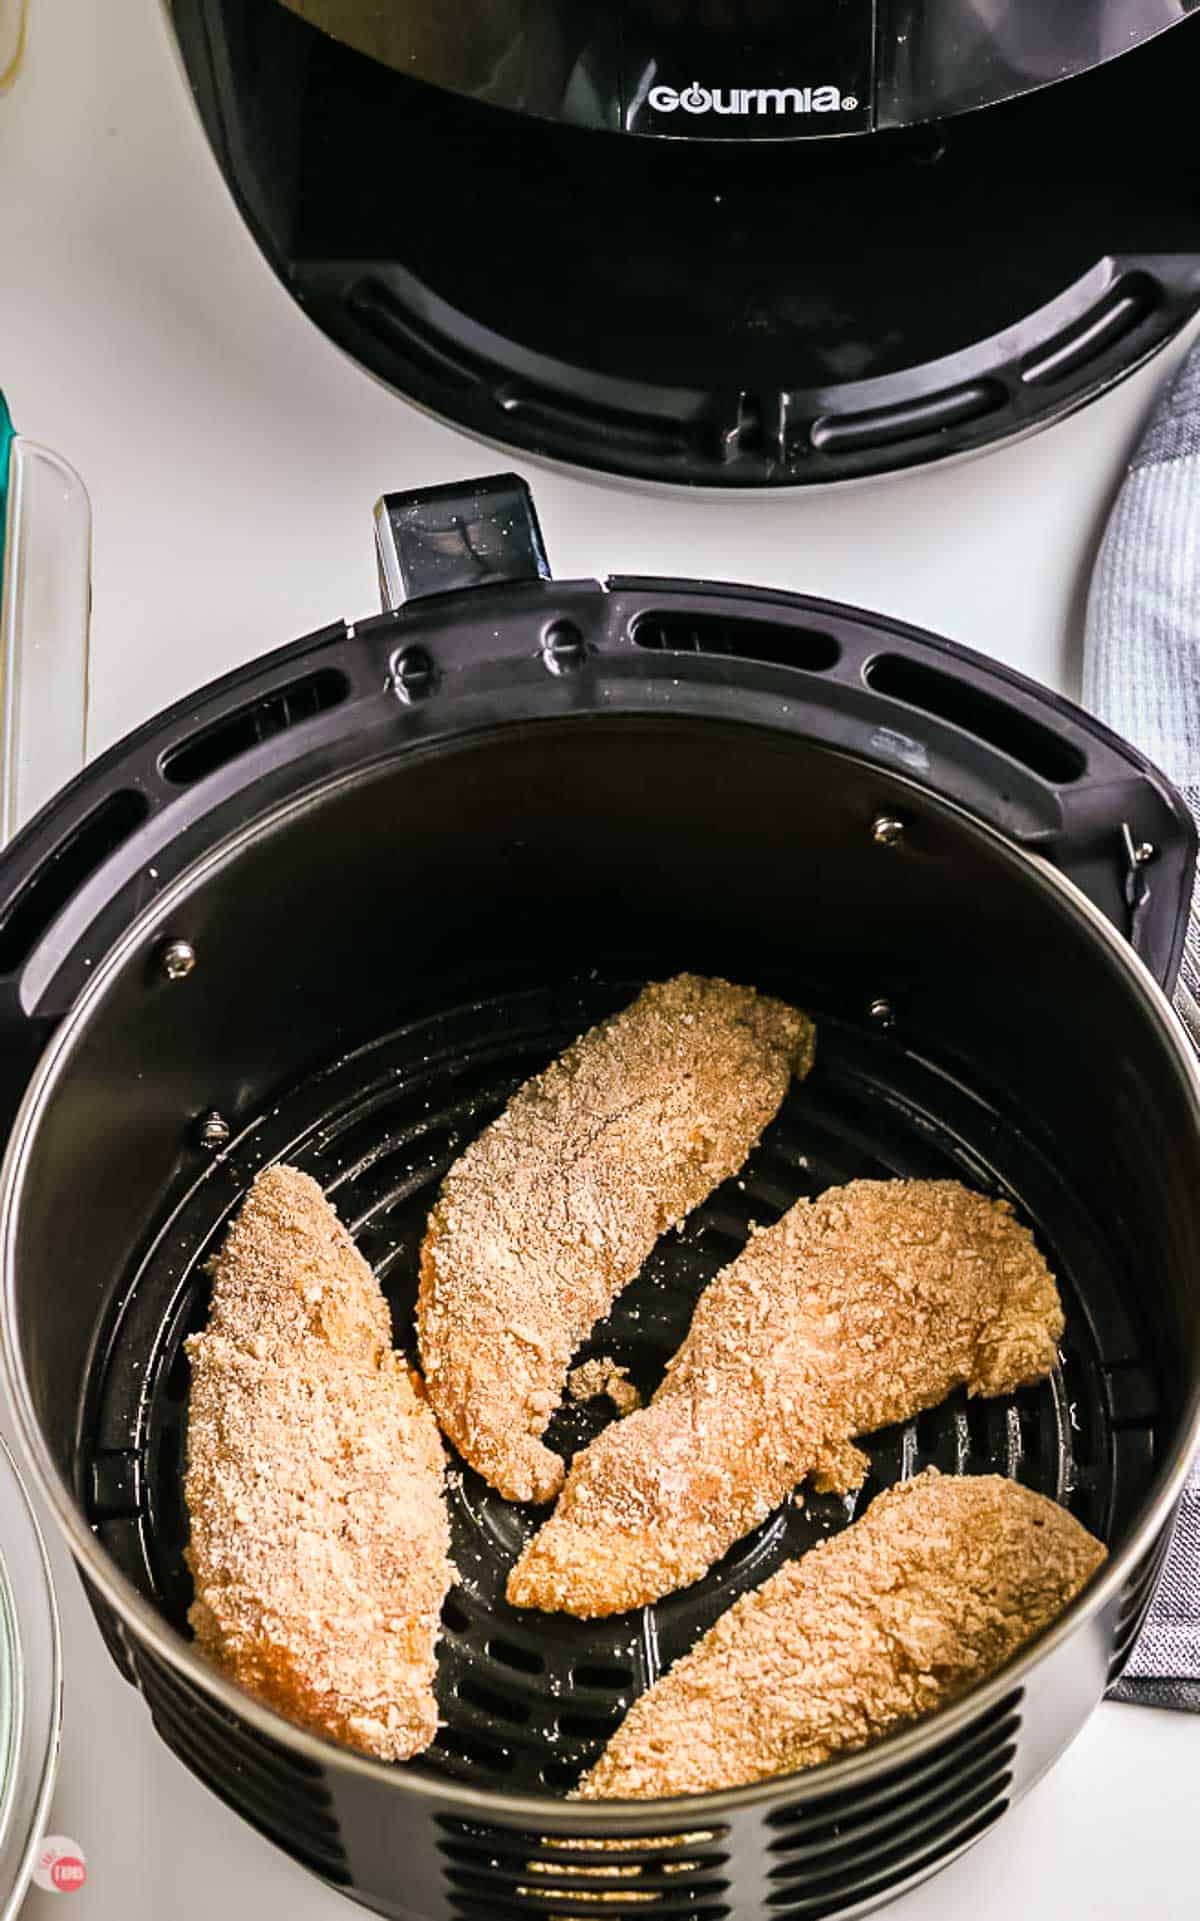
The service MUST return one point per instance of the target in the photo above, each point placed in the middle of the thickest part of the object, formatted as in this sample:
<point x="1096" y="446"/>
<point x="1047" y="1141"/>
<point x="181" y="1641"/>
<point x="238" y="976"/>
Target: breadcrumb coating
<point x="554" y="1208"/>
<point x="940" y="1583"/>
<point x="319" y="1534"/>
<point x="855" y="1310"/>
<point x="602" y="1376"/>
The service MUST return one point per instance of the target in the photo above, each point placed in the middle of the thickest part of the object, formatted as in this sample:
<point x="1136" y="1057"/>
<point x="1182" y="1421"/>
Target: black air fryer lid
<point x="732" y="313"/>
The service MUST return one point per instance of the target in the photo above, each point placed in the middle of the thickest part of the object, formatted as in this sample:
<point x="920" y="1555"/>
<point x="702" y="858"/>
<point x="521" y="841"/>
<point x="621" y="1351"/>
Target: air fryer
<point x="720" y="304"/>
<point x="335" y="908"/>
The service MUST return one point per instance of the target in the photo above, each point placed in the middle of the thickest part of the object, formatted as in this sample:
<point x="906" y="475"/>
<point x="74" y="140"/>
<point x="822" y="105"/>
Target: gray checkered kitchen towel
<point x="1141" y="674"/>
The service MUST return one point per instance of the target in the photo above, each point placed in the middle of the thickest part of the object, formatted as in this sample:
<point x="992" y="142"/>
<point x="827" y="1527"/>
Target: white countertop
<point x="233" y="456"/>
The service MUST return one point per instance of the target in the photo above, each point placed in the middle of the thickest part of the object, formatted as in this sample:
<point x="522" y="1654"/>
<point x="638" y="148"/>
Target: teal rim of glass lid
<point x="30" y="1687"/>
<point x="7" y="436"/>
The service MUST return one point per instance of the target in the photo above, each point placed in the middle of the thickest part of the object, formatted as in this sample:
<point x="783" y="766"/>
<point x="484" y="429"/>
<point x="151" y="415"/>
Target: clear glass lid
<point x="30" y="1687"/>
<point x="45" y="598"/>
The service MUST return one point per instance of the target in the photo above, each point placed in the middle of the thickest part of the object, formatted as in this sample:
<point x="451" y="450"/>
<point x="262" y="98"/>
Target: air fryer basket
<point x="340" y="905"/>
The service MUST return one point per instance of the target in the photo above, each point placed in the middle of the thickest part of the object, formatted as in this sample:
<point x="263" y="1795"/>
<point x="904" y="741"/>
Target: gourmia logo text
<point x="745" y="100"/>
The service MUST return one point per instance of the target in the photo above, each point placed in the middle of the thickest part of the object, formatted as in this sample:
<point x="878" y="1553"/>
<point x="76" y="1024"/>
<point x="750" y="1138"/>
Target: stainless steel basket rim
<point x="472" y="1802"/>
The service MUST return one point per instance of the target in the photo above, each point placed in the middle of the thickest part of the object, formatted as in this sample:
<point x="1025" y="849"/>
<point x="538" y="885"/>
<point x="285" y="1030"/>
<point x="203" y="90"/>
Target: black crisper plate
<point x="715" y="313"/>
<point x="528" y="1699"/>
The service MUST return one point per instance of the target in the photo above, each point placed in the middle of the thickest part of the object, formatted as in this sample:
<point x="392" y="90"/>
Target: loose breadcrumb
<point x="591" y="1379"/>
<point x="319" y="1534"/>
<point x="936" y="1587"/>
<point x="855" y="1310"/>
<point x="554" y="1208"/>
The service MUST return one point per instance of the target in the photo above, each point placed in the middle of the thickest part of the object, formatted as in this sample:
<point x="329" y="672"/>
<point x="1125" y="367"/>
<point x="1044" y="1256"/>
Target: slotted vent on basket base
<point x="277" y="1791"/>
<point x="493" y="1870"/>
<point x="527" y="1700"/>
<point x="839" y="1851"/>
<point x="1135" y="1603"/>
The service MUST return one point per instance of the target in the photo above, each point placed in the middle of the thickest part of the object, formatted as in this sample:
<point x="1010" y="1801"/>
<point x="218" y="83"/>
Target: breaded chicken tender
<point x="553" y="1209"/>
<point x="855" y="1310"/>
<point x="935" y="1588"/>
<point x="319" y="1533"/>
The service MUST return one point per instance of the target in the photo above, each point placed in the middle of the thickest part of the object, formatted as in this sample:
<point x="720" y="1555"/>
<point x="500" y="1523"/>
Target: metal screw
<point x="564" y="649"/>
<point x="214" y="1130"/>
<point x="882" y="1012"/>
<point x="178" y="960"/>
<point x="887" y="829"/>
<point x="1137" y="852"/>
<point x="413" y="675"/>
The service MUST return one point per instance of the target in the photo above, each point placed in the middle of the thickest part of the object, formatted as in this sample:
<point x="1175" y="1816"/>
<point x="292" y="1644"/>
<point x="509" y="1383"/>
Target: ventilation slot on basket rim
<point x="908" y="420"/>
<point x="987" y="717"/>
<point x="510" y="1871"/>
<point x="1124" y="307"/>
<point x="776" y="643"/>
<point x="237" y="733"/>
<point x="80" y="854"/>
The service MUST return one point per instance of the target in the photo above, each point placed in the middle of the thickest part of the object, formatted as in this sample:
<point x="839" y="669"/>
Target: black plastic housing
<point x="409" y="861"/>
<point x="742" y="70"/>
<point x="722" y="314"/>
